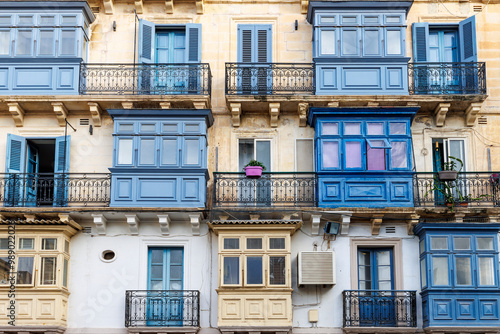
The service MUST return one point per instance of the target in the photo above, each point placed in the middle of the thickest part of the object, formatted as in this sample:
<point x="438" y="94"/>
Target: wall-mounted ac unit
<point x="316" y="268"/>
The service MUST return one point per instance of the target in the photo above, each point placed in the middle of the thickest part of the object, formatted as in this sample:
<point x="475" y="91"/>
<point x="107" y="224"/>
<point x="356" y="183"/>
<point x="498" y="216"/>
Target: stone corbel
<point x="29" y="217"/>
<point x="108" y="6"/>
<point x="459" y="218"/>
<point x="195" y="223"/>
<point x="440" y="113"/>
<point x="17" y="113"/>
<point x="493" y="219"/>
<point x="139" y="6"/>
<point x="303" y="109"/>
<point x="133" y="224"/>
<point x="61" y="112"/>
<point x="274" y="112"/>
<point x="127" y="105"/>
<point x="96" y="112"/>
<point x="164" y="221"/>
<point x="333" y="104"/>
<point x="235" y="109"/>
<point x="303" y="6"/>
<point x="411" y="223"/>
<point x="170" y="6"/>
<point x="345" y="221"/>
<point x="100" y="223"/>
<point x="165" y="105"/>
<point x="199" y="6"/>
<point x="64" y="217"/>
<point x="471" y="113"/>
<point x="200" y="105"/>
<point x="254" y="217"/>
<point x="315" y="224"/>
<point x="376" y="223"/>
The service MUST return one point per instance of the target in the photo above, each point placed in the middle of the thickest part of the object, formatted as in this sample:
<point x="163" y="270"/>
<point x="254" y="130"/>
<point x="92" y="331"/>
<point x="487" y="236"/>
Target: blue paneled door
<point x="165" y="277"/>
<point x="32" y="164"/>
<point x="443" y="48"/>
<point x="170" y="49"/>
<point x="375" y="282"/>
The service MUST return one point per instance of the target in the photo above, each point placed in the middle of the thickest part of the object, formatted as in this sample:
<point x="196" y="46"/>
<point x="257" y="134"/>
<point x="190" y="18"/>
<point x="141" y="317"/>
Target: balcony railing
<point x="269" y="78"/>
<point x="137" y="79"/>
<point x="56" y="189"/>
<point x="469" y="189"/>
<point x="162" y="308"/>
<point x="447" y="78"/>
<point x="375" y="308"/>
<point x="272" y="189"/>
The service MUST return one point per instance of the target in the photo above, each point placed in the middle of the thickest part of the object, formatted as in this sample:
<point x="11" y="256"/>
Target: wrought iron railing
<point x="162" y="308"/>
<point x="469" y="189"/>
<point x="376" y="308"/>
<point x="269" y="78"/>
<point x="447" y="78"/>
<point x="272" y="189"/>
<point x="56" y="189"/>
<point x="154" y="79"/>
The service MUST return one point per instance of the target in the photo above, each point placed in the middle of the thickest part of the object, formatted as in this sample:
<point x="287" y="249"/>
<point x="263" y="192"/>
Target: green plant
<point x="452" y="164"/>
<point x="255" y="163"/>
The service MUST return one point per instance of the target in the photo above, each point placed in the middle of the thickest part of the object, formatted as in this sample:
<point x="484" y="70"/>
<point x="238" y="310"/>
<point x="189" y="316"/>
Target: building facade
<point x="126" y="127"/>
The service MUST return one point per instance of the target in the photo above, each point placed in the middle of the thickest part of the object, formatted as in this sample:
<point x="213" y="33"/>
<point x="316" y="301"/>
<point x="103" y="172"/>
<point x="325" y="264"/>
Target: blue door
<point x="443" y="48"/>
<point x="165" y="273"/>
<point x="375" y="281"/>
<point x="31" y="185"/>
<point x="171" y="49"/>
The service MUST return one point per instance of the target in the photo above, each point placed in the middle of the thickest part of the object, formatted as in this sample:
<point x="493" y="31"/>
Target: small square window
<point x="148" y="127"/>
<point x="26" y="243"/>
<point x="374" y="128"/>
<point x="439" y="243"/>
<point x="484" y="243"/>
<point x="276" y="243"/>
<point x="462" y="243"/>
<point x="25" y="20"/>
<point x="231" y="243"/>
<point x="47" y="20"/>
<point x="351" y="128"/>
<point x="330" y="128"/>
<point x="169" y="127"/>
<point x="192" y="128"/>
<point x="125" y="127"/>
<point x="68" y="20"/>
<point x="396" y="128"/>
<point x="5" y="20"/>
<point x="4" y="243"/>
<point x="254" y="243"/>
<point x="328" y="19"/>
<point x="49" y="243"/>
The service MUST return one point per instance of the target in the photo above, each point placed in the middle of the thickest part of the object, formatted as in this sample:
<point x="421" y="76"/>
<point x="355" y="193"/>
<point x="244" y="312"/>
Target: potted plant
<point x="254" y="169"/>
<point x="450" y="170"/>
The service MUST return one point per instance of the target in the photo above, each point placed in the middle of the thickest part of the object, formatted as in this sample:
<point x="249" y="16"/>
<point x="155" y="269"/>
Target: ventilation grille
<point x="482" y="120"/>
<point x="87" y="229"/>
<point x="390" y="229"/>
<point x="316" y="268"/>
<point x="95" y="10"/>
<point x="84" y="121"/>
<point x="477" y="8"/>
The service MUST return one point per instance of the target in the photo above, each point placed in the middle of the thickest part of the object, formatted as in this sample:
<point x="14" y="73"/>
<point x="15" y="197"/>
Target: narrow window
<point x="440" y="270"/>
<point x="65" y="273"/>
<point x="463" y="269"/>
<point x="48" y="270"/>
<point x="254" y="270"/>
<point x="26" y="243"/>
<point x="330" y="154"/>
<point x="277" y="273"/>
<point x="49" y="243"/>
<point x="353" y="159"/>
<point x="231" y="243"/>
<point x="328" y="42"/>
<point x="486" y="271"/>
<point x="399" y="154"/>
<point x="25" y="270"/>
<point x="231" y="270"/>
<point x="125" y="151"/>
<point x="4" y="42"/>
<point x="24" y="42"/>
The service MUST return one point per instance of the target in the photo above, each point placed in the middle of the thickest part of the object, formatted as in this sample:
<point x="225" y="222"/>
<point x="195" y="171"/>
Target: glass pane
<point x="231" y="270"/>
<point x="65" y="273"/>
<point x="176" y="256"/>
<point x="330" y="129"/>
<point x="148" y="127"/>
<point x="393" y="42"/>
<point x="175" y="285"/>
<point x="49" y="243"/>
<point x="156" y="272"/>
<point x="375" y="128"/>
<point x="462" y="243"/>
<point x="349" y="42"/>
<point x="157" y="256"/>
<point x="169" y="127"/>
<point x="68" y="42"/>
<point x="245" y="148"/>
<point x="231" y="243"/>
<point x="364" y="273"/>
<point x="26" y="243"/>
<point x="484" y="243"/>
<point x="24" y="43"/>
<point x="4" y="42"/>
<point x="371" y="19"/>
<point x="169" y="152"/>
<point x="397" y="128"/>
<point x="440" y="270"/>
<point x="157" y="285"/>
<point x="25" y="20"/>
<point x="5" y="20"/>
<point x="68" y="20"/>
<point x="276" y="243"/>
<point x="277" y="270"/>
<point x="353" y="154"/>
<point x="192" y="151"/>
<point x="25" y="270"/>
<point x="399" y="154"/>
<point x="365" y="285"/>
<point x="47" y="20"/>
<point x="383" y="258"/>
<point x="254" y="243"/>
<point x="175" y="272"/>
<point x="254" y="270"/>
<point x="392" y="19"/>
<point x="371" y="42"/>
<point x="328" y="42"/>
<point x="4" y="243"/>
<point x="375" y="158"/>
<point x="486" y="271"/>
<point x="46" y="42"/>
<point x="147" y="152"/>
<point x="4" y="270"/>
<point x="439" y="243"/>
<point x="192" y="128"/>
<point x="385" y="285"/>
<point x="48" y="270"/>
<point x="330" y="154"/>
<point x="352" y="128"/>
<point x="457" y="150"/>
<point x="328" y="19"/>
<point x="305" y="154"/>
<point x="126" y="128"/>
<point x="463" y="267"/>
<point x="422" y="246"/>
<point x="364" y="258"/>
<point x="423" y="273"/>
<point x="263" y="153"/>
<point x="66" y="246"/>
<point x="348" y="19"/>
<point x="125" y="151"/>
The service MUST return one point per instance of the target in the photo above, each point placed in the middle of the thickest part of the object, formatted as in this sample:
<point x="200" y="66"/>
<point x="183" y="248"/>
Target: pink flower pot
<point x="253" y="171"/>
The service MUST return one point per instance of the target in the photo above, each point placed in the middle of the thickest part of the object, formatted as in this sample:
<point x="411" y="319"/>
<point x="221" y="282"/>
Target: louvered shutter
<point x="193" y="43"/>
<point x="16" y="154"/>
<point x="146" y="42"/>
<point x="467" y="33"/>
<point x="254" y="43"/>
<point x="263" y="44"/>
<point x="62" y="152"/>
<point x="420" y="42"/>
<point x="245" y="33"/>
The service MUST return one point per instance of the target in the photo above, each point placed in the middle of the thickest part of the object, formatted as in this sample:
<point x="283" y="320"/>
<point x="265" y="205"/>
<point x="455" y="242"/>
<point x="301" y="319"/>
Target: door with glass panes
<point x="443" y="48"/>
<point x="255" y="191"/>
<point x="165" y="284"/>
<point x="170" y="49"/>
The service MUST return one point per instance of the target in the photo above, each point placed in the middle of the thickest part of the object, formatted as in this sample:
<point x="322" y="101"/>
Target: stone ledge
<point x="163" y="330"/>
<point x="32" y="329"/>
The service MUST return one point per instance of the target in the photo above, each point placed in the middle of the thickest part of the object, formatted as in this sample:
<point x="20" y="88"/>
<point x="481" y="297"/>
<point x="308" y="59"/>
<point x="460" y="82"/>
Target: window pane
<point x="48" y="270"/>
<point x="423" y="273"/>
<point x="46" y="42"/>
<point x="231" y="243"/>
<point x="254" y="243"/>
<point x="25" y="270"/>
<point x="375" y="128"/>
<point x="125" y="151"/>
<point x="68" y="20"/>
<point x="169" y="152"/>
<point x="397" y="128"/>
<point x="47" y="20"/>
<point x="68" y="42"/>
<point x="330" y="129"/>
<point x="231" y="270"/>
<point x="4" y="42"/>
<point x="26" y="243"/>
<point x="5" y="20"/>
<point x="125" y="127"/>
<point x="422" y="246"/>
<point x="462" y="243"/>
<point x="4" y="243"/>
<point x="277" y="270"/>
<point x="246" y="151"/>
<point x="169" y="127"/>
<point x="192" y="128"/>
<point x="328" y="42"/>
<point x="65" y="273"/>
<point x="24" y="43"/>
<point x="463" y="267"/>
<point x="399" y="154"/>
<point x="254" y="270"/>
<point x="263" y="153"/>
<point x="49" y="243"/>
<point x="25" y="20"/>
<point x="66" y="246"/>
<point x="148" y="128"/>
<point x="352" y="128"/>
<point x="486" y="273"/>
<point x="176" y="255"/>
<point x="4" y="270"/>
<point x="349" y="42"/>
<point x="276" y="243"/>
<point x="393" y="42"/>
<point x="440" y="270"/>
<point x="439" y="243"/>
<point x="192" y="148"/>
<point x="371" y="42"/>
<point x="375" y="158"/>
<point x="353" y="154"/>
<point x="330" y="154"/>
<point x="484" y="243"/>
<point x="147" y="151"/>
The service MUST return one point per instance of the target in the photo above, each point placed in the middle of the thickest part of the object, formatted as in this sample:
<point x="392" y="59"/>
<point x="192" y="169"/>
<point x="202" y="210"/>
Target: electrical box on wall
<point x="316" y="268"/>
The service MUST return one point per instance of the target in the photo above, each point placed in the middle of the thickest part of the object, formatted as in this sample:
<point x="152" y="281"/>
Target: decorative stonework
<point x="169" y="4"/>
<point x="440" y="113"/>
<point x="164" y="221"/>
<point x="139" y="6"/>
<point x="235" y="109"/>
<point x="471" y="113"/>
<point x="133" y="223"/>
<point x="274" y="112"/>
<point x="61" y="112"/>
<point x="127" y="105"/>
<point x="376" y="222"/>
<point x="303" y="109"/>
<point x="96" y="112"/>
<point x="200" y="105"/>
<point x="108" y="6"/>
<point x="315" y="224"/>
<point x="195" y="223"/>
<point x="100" y="223"/>
<point x="303" y="6"/>
<point x="199" y="7"/>
<point x="17" y="113"/>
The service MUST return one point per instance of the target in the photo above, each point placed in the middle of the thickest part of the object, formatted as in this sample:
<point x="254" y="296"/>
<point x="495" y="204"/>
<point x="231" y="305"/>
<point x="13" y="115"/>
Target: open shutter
<point x="16" y="154"/>
<point x="263" y="48"/>
<point x="146" y="42"/>
<point x="60" y="165"/>
<point x="420" y="42"/>
<point x="193" y="43"/>
<point x="467" y="32"/>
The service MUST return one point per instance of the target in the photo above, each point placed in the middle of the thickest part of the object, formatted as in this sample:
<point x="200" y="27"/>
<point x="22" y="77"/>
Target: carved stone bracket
<point x="315" y="224"/>
<point x="61" y="112"/>
<point x="17" y="113"/>
<point x="100" y="223"/>
<point x="274" y="112"/>
<point x="133" y="224"/>
<point x="345" y="221"/>
<point x="376" y="223"/>
<point x="170" y="6"/>
<point x="195" y="223"/>
<point x="414" y="219"/>
<point x="303" y="6"/>
<point x="127" y="105"/>
<point x="471" y="113"/>
<point x="235" y="109"/>
<point x="96" y="112"/>
<point x="165" y="105"/>
<point x="139" y="6"/>
<point x="440" y="113"/>
<point x="200" y="105"/>
<point x="164" y="221"/>
<point x="459" y="218"/>
<point x="199" y="6"/>
<point x="30" y="217"/>
<point x="303" y="109"/>
<point x="108" y="6"/>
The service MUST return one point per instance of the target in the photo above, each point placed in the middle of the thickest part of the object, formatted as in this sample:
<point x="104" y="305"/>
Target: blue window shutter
<point x="61" y="153"/>
<point x="245" y="45"/>
<point x="263" y="48"/>
<point x="193" y="43"/>
<point x="16" y="154"/>
<point x="420" y="42"/>
<point x="467" y="33"/>
<point x="146" y="42"/>
<point x="254" y="43"/>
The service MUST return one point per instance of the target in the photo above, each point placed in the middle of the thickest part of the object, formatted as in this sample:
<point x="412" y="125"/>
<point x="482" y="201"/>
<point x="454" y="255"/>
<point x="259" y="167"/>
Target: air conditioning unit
<point x="316" y="268"/>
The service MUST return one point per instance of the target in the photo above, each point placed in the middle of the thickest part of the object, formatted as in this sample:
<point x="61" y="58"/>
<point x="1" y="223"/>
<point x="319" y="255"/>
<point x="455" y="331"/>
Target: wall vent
<point x="482" y="120"/>
<point x="87" y="229"/>
<point x="84" y="121"/>
<point x="390" y="229"/>
<point x="316" y="268"/>
<point x="477" y="8"/>
<point x="95" y="10"/>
